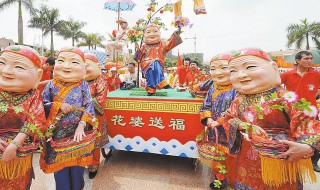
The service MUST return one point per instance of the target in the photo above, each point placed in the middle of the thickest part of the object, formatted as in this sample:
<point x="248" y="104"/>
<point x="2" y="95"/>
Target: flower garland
<point x="288" y="97"/>
<point x="276" y="172"/>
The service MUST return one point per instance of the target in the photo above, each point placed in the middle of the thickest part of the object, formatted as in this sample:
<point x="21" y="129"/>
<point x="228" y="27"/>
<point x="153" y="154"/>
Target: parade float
<point x="165" y="122"/>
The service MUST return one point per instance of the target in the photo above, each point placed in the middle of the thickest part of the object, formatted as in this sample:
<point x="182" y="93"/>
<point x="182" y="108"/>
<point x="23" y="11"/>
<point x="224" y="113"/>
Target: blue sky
<point x="229" y="24"/>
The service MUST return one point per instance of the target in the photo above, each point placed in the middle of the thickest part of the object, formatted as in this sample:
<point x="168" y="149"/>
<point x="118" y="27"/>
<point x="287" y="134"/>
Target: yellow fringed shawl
<point x="15" y="168"/>
<point x="276" y="172"/>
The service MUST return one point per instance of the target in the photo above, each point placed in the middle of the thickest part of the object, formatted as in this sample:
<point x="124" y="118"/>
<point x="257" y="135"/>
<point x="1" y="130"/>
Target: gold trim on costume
<point x="205" y="114"/>
<point x="50" y="168"/>
<point x="15" y="168"/>
<point x="162" y="84"/>
<point x="158" y="106"/>
<point x="196" y="87"/>
<point x="150" y="90"/>
<point x="220" y="89"/>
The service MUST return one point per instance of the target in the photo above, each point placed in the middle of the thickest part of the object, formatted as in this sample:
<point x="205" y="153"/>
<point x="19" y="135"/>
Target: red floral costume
<point x="292" y="122"/>
<point x="98" y="89"/>
<point x="11" y="124"/>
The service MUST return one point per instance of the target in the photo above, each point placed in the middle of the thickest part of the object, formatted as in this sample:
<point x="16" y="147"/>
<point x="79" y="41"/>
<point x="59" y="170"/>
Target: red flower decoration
<point x="114" y="33"/>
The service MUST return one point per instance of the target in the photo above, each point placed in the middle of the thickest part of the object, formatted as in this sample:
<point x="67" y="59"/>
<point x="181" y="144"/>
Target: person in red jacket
<point x="47" y="72"/>
<point x="195" y="76"/>
<point x="182" y="72"/>
<point x="305" y="82"/>
<point x="114" y="80"/>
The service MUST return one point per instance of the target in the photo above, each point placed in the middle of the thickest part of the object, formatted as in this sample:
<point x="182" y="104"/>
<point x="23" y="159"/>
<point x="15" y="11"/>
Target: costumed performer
<point x="66" y="92"/>
<point x="21" y="117"/>
<point x="212" y="112"/>
<point x="98" y="89"/>
<point x="120" y="42"/>
<point x="270" y="113"/>
<point x="151" y="57"/>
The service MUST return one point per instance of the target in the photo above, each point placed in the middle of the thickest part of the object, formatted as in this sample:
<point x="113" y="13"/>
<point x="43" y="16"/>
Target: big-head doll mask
<point x="19" y="69"/>
<point x="152" y="34"/>
<point x="219" y="69"/>
<point x="93" y="69"/>
<point x="70" y="65"/>
<point x="252" y="71"/>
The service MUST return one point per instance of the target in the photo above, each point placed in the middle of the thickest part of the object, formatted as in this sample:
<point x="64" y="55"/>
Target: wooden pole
<point x="116" y="53"/>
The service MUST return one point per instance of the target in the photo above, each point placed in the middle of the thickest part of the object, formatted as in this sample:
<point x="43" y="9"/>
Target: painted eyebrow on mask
<point x="16" y="62"/>
<point x="73" y="58"/>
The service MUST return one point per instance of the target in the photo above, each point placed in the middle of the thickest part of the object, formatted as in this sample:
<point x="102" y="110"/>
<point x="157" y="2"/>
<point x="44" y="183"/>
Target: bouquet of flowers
<point x="134" y="35"/>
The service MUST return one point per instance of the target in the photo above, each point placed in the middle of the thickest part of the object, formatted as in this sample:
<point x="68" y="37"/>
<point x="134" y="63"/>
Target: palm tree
<point x="87" y="41"/>
<point x="97" y="41"/>
<point x="92" y="41"/>
<point x="27" y="4"/>
<point x="299" y="33"/>
<point x="71" y="29"/>
<point x="48" y="21"/>
<point x="316" y="33"/>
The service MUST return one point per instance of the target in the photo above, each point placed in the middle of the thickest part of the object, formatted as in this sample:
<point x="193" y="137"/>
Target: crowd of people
<point x="244" y="91"/>
<point x="59" y="105"/>
<point x="76" y="90"/>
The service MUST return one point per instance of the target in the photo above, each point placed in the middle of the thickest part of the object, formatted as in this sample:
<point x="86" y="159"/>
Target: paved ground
<point x="141" y="171"/>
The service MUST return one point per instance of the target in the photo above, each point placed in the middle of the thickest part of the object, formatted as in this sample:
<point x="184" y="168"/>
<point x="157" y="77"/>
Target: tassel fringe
<point x="15" y="168"/>
<point x="210" y="163"/>
<point x="276" y="172"/>
<point x="63" y="157"/>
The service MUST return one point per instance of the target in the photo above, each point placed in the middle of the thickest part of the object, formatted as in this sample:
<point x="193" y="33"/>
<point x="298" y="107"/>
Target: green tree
<point x="48" y="21"/>
<point x="300" y="33"/>
<point x="72" y="29"/>
<point x="86" y="41"/>
<point x="92" y="41"/>
<point x="97" y="40"/>
<point x="200" y="65"/>
<point x="316" y="33"/>
<point x="169" y="62"/>
<point x="27" y="4"/>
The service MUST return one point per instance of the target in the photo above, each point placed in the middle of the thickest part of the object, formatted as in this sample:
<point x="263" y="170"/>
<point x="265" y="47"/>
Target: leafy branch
<point x="217" y="183"/>
<point x="222" y="169"/>
<point x="302" y="105"/>
<point x="49" y="131"/>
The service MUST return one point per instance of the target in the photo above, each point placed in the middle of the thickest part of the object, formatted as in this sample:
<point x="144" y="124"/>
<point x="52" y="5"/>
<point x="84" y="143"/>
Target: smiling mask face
<point x="253" y="75"/>
<point x="18" y="73"/>
<point x="69" y="67"/>
<point x="152" y="35"/>
<point x="220" y="72"/>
